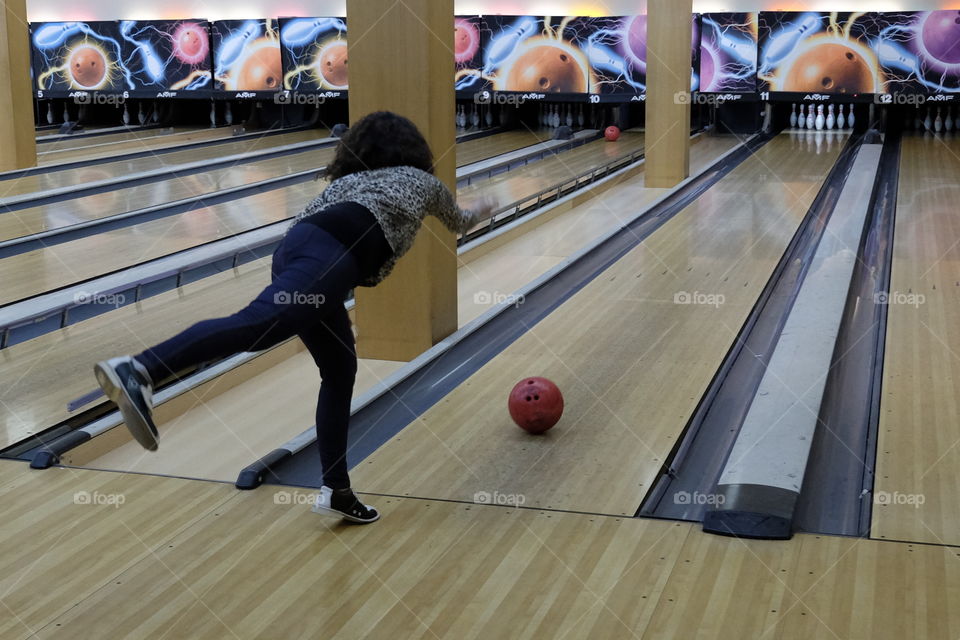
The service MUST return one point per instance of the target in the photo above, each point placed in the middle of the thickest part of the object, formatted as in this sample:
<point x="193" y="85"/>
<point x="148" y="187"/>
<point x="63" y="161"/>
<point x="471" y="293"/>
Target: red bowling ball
<point x="535" y="404"/>
<point x="190" y="42"/>
<point x="612" y="134"/>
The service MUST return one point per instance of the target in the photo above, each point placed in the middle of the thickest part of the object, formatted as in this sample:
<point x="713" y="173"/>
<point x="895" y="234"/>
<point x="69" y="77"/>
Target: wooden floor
<point x="223" y="432"/>
<point x="918" y="453"/>
<point x="631" y="362"/>
<point x="150" y="557"/>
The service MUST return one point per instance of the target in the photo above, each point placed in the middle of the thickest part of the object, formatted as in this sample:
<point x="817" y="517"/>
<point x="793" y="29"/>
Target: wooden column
<point x="18" y="147"/>
<point x="669" y="54"/>
<point x="401" y="60"/>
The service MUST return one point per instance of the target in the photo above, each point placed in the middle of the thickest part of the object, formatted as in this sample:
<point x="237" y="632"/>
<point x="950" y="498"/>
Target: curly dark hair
<point x="379" y="140"/>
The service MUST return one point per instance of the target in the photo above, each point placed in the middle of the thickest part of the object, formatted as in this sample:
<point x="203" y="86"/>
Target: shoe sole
<point x="135" y="421"/>
<point x="333" y="512"/>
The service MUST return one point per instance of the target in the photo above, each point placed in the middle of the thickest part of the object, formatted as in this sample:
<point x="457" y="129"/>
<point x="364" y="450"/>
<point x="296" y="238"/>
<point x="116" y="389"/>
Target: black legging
<point x="312" y="275"/>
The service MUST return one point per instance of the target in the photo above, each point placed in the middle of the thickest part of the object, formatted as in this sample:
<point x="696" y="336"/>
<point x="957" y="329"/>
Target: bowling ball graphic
<point x="941" y="36"/>
<point x="708" y="70"/>
<point x="332" y="63"/>
<point x="830" y="68"/>
<point x="260" y="70"/>
<point x="546" y="68"/>
<point x="189" y="42"/>
<point x="637" y="39"/>
<point x="88" y="67"/>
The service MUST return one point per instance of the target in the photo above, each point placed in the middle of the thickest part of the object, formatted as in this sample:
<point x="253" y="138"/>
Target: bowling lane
<point x="56" y="266"/>
<point x="82" y="175"/>
<point x="524" y="181"/>
<point x="96" y="147"/>
<point x="131" y="134"/>
<point x="102" y="205"/>
<point x="918" y="450"/>
<point x="632" y="363"/>
<point x="486" y="147"/>
<point x="213" y="440"/>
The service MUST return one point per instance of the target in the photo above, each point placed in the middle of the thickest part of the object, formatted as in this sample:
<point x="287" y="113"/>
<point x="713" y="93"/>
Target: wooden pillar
<point x="669" y="54"/>
<point x="401" y="60"/>
<point x="18" y="147"/>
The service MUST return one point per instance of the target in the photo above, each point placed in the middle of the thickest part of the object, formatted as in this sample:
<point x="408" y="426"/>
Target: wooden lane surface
<point x="97" y="147"/>
<point x="237" y="421"/>
<point x="102" y="205"/>
<point x="179" y="558"/>
<point x="58" y="266"/>
<point x="83" y="175"/>
<point x="918" y="450"/>
<point x="631" y="362"/>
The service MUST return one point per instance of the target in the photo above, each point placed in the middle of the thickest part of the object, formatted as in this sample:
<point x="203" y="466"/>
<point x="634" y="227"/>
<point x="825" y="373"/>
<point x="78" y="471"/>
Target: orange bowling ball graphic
<point x="88" y="67"/>
<point x="830" y="68"/>
<point x="461" y="40"/>
<point x="261" y="70"/>
<point x="546" y="68"/>
<point x="333" y="63"/>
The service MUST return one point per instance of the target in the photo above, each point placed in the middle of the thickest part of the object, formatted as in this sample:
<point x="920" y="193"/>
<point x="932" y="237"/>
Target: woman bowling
<point x="381" y="188"/>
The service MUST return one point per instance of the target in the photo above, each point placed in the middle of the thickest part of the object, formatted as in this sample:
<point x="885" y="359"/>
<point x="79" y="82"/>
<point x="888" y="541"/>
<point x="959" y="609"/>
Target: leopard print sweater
<point x="399" y="198"/>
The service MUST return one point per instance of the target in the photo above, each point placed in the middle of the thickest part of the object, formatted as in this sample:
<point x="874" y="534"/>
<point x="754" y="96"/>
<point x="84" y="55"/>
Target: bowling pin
<point x="811" y="118"/>
<point x="793" y="116"/>
<point x="489" y="117"/>
<point x="821" y="120"/>
<point x="938" y="123"/>
<point x="852" y="118"/>
<point x="50" y="117"/>
<point x="841" y="119"/>
<point x="570" y="116"/>
<point x="831" y="118"/>
<point x="213" y="114"/>
<point x="802" y="119"/>
<point x="228" y="114"/>
<point x="126" y="114"/>
<point x="556" y="117"/>
<point x="156" y="113"/>
<point x="948" y="123"/>
<point x="66" y="113"/>
<point x="141" y="116"/>
<point x="580" y="118"/>
<point x="784" y="43"/>
<point x="476" y="117"/>
<point x="928" y="121"/>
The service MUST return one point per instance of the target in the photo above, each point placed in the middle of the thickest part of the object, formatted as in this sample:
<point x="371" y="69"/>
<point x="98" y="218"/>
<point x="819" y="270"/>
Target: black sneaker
<point x="126" y="382"/>
<point x="344" y="504"/>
